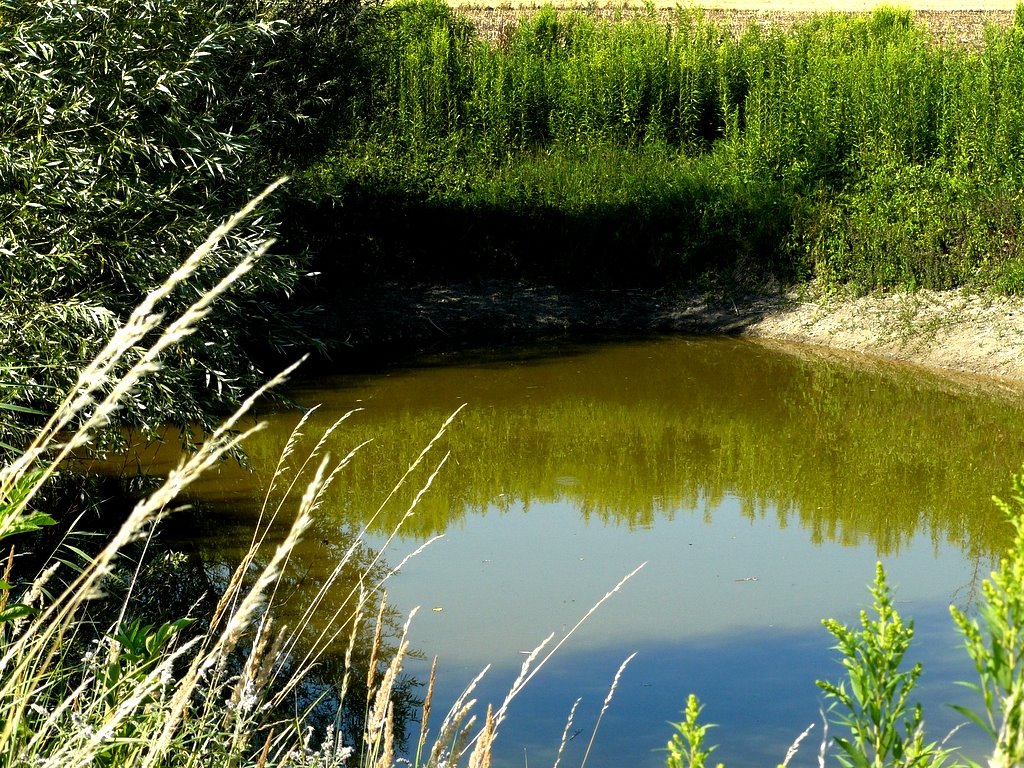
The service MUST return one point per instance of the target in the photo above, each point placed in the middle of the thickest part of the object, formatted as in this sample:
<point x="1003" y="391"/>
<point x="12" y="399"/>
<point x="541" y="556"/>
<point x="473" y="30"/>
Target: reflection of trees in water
<point x="327" y="631"/>
<point x="634" y="433"/>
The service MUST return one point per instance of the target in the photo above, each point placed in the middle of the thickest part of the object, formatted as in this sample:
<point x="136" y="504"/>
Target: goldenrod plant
<point x="994" y="639"/>
<point x="877" y="723"/>
<point x="873" y="705"/>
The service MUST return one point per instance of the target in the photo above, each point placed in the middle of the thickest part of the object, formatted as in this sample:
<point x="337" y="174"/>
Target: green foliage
<point x="130" y="130"/>
<point x="885" y="729"/>
<point x="16" y="519"/>
<point x="851" y="150"/>
<point x="686" y="748"/>
<point x="308" y="73"/>
<point x="231" y="691"/>
<point x="994" y="639"/>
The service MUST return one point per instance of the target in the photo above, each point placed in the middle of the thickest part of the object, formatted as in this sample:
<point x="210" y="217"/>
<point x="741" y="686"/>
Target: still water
<point x="759" y="483"/>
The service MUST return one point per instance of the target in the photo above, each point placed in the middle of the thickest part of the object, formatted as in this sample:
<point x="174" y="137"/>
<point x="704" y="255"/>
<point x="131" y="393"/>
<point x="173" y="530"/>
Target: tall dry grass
<point x="175" y="695"/>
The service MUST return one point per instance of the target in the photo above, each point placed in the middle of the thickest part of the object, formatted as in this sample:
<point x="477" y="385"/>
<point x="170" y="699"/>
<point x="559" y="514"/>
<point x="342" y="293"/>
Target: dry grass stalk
<point x="453" y="725"/>
<point x="480" y="757"/>
<point x="527" y="674"/>
<point x="336" y="623"/>
<point x="30" y="656"/>
<point x="100" y="374"/>
<point x="382" y="699"/>
<point x="371" y="671"/>
<point x="357" y="622"/>
<point x="412" y="467"/>
<point x="795" y="746"/>
<point x="425" y="717"/>
<point x="565" y="733"/>
<point x="604" y="707"/>
<point x="387" y="752"/>
<point x="823" y="749"/>
<point x="26" y="664"/>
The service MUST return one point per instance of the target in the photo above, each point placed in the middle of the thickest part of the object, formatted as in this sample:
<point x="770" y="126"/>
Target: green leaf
<point x="21" y="409"/>
<point x="29" y="522"/>
<point x="16" y="611"/>
<point x="974" y="717"/>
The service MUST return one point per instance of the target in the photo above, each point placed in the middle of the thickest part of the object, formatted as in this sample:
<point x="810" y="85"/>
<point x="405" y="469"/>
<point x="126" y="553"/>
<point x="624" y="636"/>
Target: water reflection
<point x="338" y="637"/>
<point x="636" y="432"/>
<point x="760" y="483"/>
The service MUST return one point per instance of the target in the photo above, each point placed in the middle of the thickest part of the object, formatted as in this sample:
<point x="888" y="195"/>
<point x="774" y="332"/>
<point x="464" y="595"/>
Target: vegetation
<point x="214" y="692"/>
<point x="854" y="151"/>
<point x="129" y="131"/>
<point x="848" y="151"/>
<point x="851" y="151"/>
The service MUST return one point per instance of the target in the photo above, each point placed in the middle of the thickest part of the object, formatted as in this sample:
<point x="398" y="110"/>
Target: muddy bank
<point x="949" y="330"/>
<point x="953" y="331"/>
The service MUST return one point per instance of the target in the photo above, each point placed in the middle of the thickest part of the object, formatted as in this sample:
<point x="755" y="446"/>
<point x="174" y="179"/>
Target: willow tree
<point x="127" y="131"/>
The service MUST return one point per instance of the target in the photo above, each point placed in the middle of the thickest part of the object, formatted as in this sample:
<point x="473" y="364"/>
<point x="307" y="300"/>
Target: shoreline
<point x="957" y="333"/>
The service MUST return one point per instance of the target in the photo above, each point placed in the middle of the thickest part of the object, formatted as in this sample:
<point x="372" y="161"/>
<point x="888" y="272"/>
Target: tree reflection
<point x="187" y="566"/>
<point x="633" y="433"/>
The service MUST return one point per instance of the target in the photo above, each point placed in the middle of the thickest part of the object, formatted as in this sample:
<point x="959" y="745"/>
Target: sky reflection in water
<point x="750" y="649"/>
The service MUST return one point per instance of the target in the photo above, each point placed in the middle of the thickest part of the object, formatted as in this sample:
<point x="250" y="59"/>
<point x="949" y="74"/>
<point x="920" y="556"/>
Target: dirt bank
<point x="950" y="330"/>
<point x="953" y="331"/>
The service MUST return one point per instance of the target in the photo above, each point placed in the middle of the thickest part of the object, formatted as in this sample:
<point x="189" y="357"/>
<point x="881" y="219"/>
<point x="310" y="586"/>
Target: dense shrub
<point x="130" y="129"/>
<point x="663" y="150"/>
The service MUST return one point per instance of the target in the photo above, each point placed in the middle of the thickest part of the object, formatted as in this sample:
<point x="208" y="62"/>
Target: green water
<point x="759" y="483"/>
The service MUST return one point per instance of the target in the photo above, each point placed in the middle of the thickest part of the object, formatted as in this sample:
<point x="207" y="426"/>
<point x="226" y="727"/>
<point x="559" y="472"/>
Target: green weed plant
<point x="852" y="150"/>
<point x="130" y="130"/>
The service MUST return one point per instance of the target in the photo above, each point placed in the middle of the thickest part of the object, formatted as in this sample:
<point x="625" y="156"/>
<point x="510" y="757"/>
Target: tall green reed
<point x="850" y="149"/>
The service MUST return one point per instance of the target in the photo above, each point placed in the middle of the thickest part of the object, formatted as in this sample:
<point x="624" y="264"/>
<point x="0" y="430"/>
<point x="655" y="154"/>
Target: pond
<point x="758" y="482"/>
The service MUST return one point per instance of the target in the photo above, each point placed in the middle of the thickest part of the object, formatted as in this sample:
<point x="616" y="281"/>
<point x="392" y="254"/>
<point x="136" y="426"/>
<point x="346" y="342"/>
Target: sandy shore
<point x="950" y="330"/>
<point x="953" y="331"/>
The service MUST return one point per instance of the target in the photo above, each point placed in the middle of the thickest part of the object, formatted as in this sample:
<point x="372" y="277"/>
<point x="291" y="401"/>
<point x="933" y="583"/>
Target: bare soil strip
<point x="961" y="334"/>
<point x="948" y="330"/>
<point x="948" y="21"/>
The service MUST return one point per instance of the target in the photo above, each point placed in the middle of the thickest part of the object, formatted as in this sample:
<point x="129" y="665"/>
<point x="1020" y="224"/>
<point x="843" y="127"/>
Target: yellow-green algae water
<point x="759" y="483"/>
